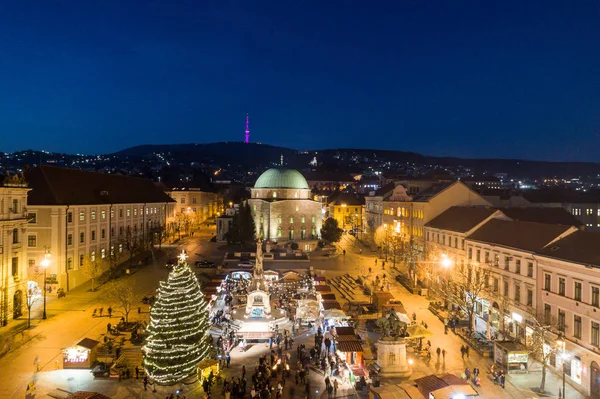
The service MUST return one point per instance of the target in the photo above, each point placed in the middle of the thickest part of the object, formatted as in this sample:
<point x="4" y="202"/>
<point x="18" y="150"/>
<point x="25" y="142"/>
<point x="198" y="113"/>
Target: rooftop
<point x="339" y="198"/>
<point x="579" y="247"/>
<point x="281" y="178"/>
<point x="461" y="218"/>
<point x="542" y="215"/>
<point x="61" y="186"/>
<point x="527" y="236"/>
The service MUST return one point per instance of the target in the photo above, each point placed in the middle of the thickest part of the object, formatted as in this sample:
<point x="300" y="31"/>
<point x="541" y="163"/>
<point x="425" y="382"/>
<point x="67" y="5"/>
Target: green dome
<point x="281" y="178"/>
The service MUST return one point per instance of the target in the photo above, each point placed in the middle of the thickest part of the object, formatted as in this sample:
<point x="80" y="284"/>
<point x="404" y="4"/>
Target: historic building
<point x="192" y="207"/>
<point x="283" y="208"/>
<point x="347" y="209"/>
<point x="13" y="239"/>
<point x="81" y="217"/>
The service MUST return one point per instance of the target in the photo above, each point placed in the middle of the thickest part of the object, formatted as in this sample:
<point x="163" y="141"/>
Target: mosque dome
<point x="281" y="178"/>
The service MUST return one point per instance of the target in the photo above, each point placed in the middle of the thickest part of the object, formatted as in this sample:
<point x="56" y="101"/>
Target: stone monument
<point x="258" y="303"/>
<point x="391" y="347"/>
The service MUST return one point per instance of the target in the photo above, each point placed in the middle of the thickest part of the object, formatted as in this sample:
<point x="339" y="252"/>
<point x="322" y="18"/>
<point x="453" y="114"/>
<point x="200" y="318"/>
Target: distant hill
<point x="255" y="155"/>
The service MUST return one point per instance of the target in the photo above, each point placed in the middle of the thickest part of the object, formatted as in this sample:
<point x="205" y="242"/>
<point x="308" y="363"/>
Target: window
<point x="577" y="294"/>
<point x="561" y="320"/>
<point x="274" y="194"/>
<point x="518" y="266"/>
<point x="112" y="213"/>
<point x="93" y="235"/>
<point x="529" y="297"/>
<point x="254" y="207"/>
<point x="517" y="293"/>
<point x="134" y="211"/>
<point x="81" y="259"/>
<point x="103" y="215"/>
<point x="120" y="248"/>
<point x="547" y="282"/>
<point x="313" y="231"/>
<point x="15" y="266"/>
<point x="506" y="288"/>
<point x="487" y="257"/>
<point x="15" y="236"/>
<point x="478" y="255"/>
<point x="506" y="262"/>
<point x="279" y="219"/>
<point x="291" y="219"/>
<point x="103" y="253"/>
<point x="93" y="215"/>
<point x="103" y="234"/>
<point x="70" y="217"/>
<point x="297" y="208"/>
<point x="279" y="231"/>
<point x="547" y="313"/>
<point x="595" y="334"/>
<point x="182" y="200"/>
<point x="455" y="242"/>
<point x="31" y="241"/>
<point x="577" y="326"/>
<point x="561" y="286"/>
<point x="303" y="219"/>
<point x="69" y="239"/>
<point x="470" y="256"/>
<point x="15" y="207"/>
<point x="31" y="263"/>
<point x="530" y="269"/>
<point x="128" y="212"/>
<point x="193" y="200"/>
<point x="313" y="219"/>
<point x="82" y="216"/>
<point x="595" y="296"/>
<point x="81" y="237"/>
<point x="93" y="256"/>
<point x="32" y="216"/>
<point x="496" y="284"/>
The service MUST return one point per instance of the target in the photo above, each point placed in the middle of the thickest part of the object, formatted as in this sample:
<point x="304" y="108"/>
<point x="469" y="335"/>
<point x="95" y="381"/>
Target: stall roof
<point x="328" y="297"/>
<point x="383" y="295"/>
<point x="511" y="346"/>
<point x="344" y="331"/>
<point x="322" y="288"/>
<point x="87" y="395"/>
<point x="391" y="392"/>
<point x="88" y="343"/>
<point x="350" y="346"/>
<point x="331" y="305"/>
<point x="453" y="391"/>
<point x="319" y="278"/>
<point x="431" y="383"/>
<point x="207" y="363"/>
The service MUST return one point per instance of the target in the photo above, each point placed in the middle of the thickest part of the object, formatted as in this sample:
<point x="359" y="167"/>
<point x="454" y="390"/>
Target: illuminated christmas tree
<point x="178" y="330"/>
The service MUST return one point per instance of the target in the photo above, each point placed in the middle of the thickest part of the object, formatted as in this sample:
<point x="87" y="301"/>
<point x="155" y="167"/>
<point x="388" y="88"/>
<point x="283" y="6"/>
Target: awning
<point x="327" y="305"/>
<point x="350" y="346"/>
<point x="358" y="371"/>
<point x="322" y="288"/>
<point x="335" y="314"/>
<point x="453" y="391"/>
<point x="88" y="343"/>
<point x="417" y="331"/>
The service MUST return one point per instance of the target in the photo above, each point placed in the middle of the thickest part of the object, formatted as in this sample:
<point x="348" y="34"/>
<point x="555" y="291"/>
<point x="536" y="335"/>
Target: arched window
<point x="291" y="219"/>
<point x="314" y="231"/>
<point x="279" y="231"/>
<point x="303" y="219"/>
<point x="279" y="219"/>
<point x="291" y="233"/>
<point x="303" y="233"/>
<point x="15" y="236"/>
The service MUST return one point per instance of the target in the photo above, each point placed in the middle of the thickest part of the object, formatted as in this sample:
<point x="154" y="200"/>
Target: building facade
<point x="192" y="207"/>
<point x="347" y="209"/>
<point x="283" y="208"/>
<point x="13" y="240"/>
<point x="81" y="218"/>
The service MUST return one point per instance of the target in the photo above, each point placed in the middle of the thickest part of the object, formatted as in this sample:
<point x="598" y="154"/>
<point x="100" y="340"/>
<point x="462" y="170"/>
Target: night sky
<point x="470" y="79"/>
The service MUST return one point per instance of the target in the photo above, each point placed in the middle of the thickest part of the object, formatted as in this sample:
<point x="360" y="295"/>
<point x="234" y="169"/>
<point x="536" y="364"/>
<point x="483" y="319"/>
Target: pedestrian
<point x="383" y="265"/>
<point x="444" y="355"/>
<point x="327" y="382"/>
<point x="475" y="372"/>
<point x="414" y="316"/>
<point x="228" y="359"/>
<point x="462" y="352"/>
<point x="335" y="387"/>
<point x="108" y="327"/>
<point x="145" y="383"/>
<point x="101" y="311"/>
<point x="344" y="252"/>
<point x="109" y="312"/>
<point x="425" y="324"/>
<point x="467" y="351"/>
<point x="438" y="351"/>
<point x="502" y="378"/>
<point x="375" y="264"/>
<point x="137" y="372"/>
<point x="467" y="374"/>
<point x="243" y="370"/>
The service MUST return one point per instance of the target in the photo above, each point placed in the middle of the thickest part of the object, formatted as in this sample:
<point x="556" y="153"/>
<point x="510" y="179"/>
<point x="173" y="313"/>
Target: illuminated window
<point x="93" y="215"/>
<point x="274" y="194"/>
<point x="297" y="208"/>
<point x="103" y="215"/>
<point x="103" y="253"/>
<point x="302" y="218"/>
<point x="279" y="219"/>
<point x="128" y="212"/>
<point x="93" y="256"/>
<point x="595" y="334"/>
<point x="81" y="216"/>
<point x="291" y="219"/>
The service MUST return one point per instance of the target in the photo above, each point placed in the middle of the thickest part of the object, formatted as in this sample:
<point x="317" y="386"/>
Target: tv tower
<point x="247" y="132"/>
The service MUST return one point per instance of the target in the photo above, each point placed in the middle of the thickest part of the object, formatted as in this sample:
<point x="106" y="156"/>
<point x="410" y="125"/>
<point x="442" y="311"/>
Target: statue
<point x="391" y="326"/>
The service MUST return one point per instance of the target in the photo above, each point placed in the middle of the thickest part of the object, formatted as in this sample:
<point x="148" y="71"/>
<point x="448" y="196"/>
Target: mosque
<point x="284" y="210"/>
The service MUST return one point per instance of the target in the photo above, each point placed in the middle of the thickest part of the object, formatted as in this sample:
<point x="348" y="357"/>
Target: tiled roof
<point x="460" y="218"/>
<point x="528" y="236"/>
<point x="344" y="331"/>
<point x="88" y="343"/>
<point x="386" y="190"/>
<point x="542" y="215"/>
<point x="61" y="186"/>
<point x="331" y="305"/>
<point x="580" y="247"/>
<point x="346" y="198"/>
<point x="432" y="191"/>
<point x="350" y="346"/>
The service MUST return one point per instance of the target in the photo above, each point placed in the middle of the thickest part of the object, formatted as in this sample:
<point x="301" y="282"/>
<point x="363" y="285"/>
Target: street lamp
<point x="45" y="264"/>
<point x="562" y="343"/>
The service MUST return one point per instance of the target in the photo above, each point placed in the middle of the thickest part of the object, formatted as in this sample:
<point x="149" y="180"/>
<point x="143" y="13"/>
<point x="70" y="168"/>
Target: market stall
<point x="335" y="317"/>
<point x="205" y="367"/>
<point x="511" y="355"/>
<point x="80" y="356"/>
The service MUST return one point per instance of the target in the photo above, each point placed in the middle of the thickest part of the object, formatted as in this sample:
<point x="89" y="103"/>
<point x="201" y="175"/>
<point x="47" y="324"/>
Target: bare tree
<point x="32" y="296"/>
<point x="122" y="292"/>
<point x="93" y="268"/>
<point x="131" y="242"/>
<point x="469" y="282"/>
<point x="543" y="344"/>
<point x="159" y="234"/>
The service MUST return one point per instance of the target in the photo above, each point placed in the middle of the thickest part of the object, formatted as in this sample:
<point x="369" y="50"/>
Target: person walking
<point x="444" y="355"/>
<point x="467" y="351"/>
<point x="438" y="351"/>
<point x="462" y="352"/>
<point x="109" y="312"/>
<point x="375" y="262"/>
<point x="336" y="385"/>
<point x="145" y="381"/>
<point x="108" y="327"/>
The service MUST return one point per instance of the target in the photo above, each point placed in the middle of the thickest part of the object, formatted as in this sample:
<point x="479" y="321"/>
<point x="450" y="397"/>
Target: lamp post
<point x="562" y="343"/>
<point x="45" y="263"/>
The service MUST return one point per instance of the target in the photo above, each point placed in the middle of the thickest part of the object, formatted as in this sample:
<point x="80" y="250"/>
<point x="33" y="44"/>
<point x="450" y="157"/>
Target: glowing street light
<point x="45" y="264"/>
<point x="446" y="261"/>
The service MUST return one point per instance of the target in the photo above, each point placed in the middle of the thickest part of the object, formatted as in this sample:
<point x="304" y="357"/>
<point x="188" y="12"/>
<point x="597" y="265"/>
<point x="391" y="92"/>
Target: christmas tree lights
<point x="177" y="333"/>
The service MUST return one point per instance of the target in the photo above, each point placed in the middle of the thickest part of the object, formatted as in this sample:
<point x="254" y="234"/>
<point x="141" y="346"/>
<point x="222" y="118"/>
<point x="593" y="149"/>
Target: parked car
<point x="101" y="370"/>
<point x="171" y="262"/>
<point x="204" y="263"/>
<point x="246" y="265"/>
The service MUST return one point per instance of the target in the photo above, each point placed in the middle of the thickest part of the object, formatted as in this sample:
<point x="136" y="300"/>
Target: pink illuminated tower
<point x="247" y="136"/>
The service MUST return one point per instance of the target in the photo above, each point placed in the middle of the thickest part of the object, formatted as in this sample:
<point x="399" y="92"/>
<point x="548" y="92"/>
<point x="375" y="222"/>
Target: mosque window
<point x="279" y="231"/>
<point x="274" y="194"/>
<point x="313" y="219"/>
<point x="297" y="208"/>
<point x="302" y="218"/>
<point x="291" y="219"/>
<point x="279" y="219"/>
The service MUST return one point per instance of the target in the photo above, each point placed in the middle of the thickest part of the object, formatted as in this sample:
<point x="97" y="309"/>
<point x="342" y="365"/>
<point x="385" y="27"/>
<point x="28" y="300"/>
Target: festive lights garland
<point x="177" y="334"/>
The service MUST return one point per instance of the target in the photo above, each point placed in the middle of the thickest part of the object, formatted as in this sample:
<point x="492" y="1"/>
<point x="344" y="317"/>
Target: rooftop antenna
<point x="247" y="132"/>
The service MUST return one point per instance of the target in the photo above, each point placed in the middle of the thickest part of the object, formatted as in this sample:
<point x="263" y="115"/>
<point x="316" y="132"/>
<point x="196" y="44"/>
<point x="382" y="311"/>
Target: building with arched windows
<point x="283" y="208"/>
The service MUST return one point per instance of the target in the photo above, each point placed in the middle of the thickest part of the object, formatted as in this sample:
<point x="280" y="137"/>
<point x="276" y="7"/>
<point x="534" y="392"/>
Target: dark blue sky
<point x="473" y="79"/>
